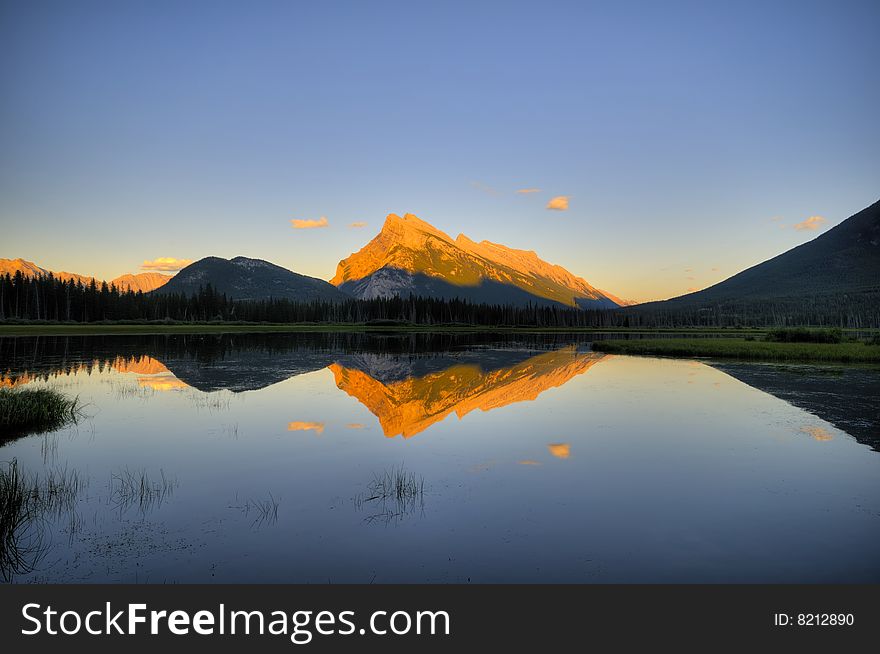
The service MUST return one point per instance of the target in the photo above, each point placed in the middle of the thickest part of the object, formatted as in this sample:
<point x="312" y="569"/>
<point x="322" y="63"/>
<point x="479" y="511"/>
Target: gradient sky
<point x="689" y="137"/>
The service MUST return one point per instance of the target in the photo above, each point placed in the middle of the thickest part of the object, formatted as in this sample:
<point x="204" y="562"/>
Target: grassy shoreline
<point x="750" y="350"/>
<point x="33" y="410"/>
<point x="110" y="329"/>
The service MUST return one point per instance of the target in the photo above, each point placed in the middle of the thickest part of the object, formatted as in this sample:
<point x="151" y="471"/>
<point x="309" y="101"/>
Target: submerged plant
<point x="135" y="488"/>
<point x="26" y="500"/>
<point x="395" y="492"/>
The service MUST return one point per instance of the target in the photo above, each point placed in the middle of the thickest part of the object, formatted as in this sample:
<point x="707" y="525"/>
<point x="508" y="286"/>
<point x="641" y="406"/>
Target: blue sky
<point x="689" y="137"/>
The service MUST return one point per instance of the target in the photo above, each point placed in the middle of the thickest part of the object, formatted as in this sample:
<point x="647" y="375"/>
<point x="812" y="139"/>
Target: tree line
<point x="47" y="298"/>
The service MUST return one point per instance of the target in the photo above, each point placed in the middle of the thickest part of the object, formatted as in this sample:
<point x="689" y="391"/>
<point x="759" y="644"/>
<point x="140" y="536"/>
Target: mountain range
<point x="410" y="256"/>
<point x="837" y="269"/>
<point x="144" y="282"/>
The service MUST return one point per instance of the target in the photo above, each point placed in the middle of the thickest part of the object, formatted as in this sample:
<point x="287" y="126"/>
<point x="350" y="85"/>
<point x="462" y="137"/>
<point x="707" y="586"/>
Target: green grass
<point x="32" y="410"/>
<point x="737" y="348"/>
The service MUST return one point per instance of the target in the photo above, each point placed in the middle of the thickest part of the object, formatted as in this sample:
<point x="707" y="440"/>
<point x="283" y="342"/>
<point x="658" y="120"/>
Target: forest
<point x="47" y="298"/>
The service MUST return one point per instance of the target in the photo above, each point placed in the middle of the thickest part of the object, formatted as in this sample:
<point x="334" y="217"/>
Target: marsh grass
<point x="392" y="495"/>
<point x="804" y="335"/>
<point x="34" y="410"/>
<point x="26" y="502"/>
<point x="129" y="488"/>
<point x="265" y="510"/>
<point x="740" y="348"/>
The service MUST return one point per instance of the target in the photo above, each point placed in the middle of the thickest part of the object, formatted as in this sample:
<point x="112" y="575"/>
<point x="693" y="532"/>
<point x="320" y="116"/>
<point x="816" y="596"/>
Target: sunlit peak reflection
<point x="409" y="406"/>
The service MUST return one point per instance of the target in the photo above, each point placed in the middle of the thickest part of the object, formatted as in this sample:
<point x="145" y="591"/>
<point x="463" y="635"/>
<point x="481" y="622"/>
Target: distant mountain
<point x="144" y="282"/>
<point x="250" y="279"/>
<point x="30" y="269"/>
<point x="140" y="282"/>
<point x="409" y="256"/>
<point x="840" y="267"/>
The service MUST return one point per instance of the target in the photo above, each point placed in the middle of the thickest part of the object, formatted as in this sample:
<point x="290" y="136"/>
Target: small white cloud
<point x="811" y="224"/>
<point x="559" y="203"/>
<point x="528" y="190"/>
<point x="298" y="223"/>
<point x="358" y="224"/>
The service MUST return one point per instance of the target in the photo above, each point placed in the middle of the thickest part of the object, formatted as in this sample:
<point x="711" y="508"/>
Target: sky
<point x="666" y="145"/>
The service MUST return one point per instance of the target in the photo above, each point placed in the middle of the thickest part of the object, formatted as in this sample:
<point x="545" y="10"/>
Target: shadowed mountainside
<point x="841" y="265"/>
<point x="242" y="278"/>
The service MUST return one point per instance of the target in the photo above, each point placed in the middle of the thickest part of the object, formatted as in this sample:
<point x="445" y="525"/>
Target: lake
<point x="521" y="458"/>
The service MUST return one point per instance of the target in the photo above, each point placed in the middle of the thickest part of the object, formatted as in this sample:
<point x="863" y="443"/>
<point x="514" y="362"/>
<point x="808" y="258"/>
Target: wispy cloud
<point x="167" y="264"/>
<point x="560" y="450"/>
<point x="811" y="224"/>
<point x="485" y="188"/>
<point x="357" y="224"/>
<point x="692" y="289"/>
<point x="559" y="203"/>
<point x="355" y="425"/>
<point x="299" y="223"/>
<point x="528" y="190"/>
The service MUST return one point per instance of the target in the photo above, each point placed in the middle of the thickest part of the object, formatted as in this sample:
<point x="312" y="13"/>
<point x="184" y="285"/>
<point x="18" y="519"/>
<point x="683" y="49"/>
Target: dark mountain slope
<point x="250" y="279"/>
<point x="842" y="263"/>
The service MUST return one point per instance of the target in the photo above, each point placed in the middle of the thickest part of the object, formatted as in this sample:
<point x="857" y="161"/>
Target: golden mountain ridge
<point x="145" y="282"/>
<point x="416" y="247"/>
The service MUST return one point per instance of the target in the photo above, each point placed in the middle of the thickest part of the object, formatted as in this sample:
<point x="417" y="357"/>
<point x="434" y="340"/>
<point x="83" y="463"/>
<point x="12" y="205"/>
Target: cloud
<point x="714" y="269"/>
<point x="692" y="289"/>
<point x="355" y="425"/>
<point x="357" y="224"/>
<point x="484" y="188"/>
<point x="689" y="270"/>
<point x="560" y="450"/>
<point x="528" y="190"/>
<point x="559" y="203"/>
<point x="528" y="462"/>
<point x="317" y="427"/>
<point x="298" y="223"/>
<point x="776" y="219"/>
<point x="168" y="264"/>
<point x="811" y="224"/>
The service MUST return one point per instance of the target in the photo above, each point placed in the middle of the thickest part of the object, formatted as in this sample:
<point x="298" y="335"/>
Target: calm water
<point x="542" y="462"/>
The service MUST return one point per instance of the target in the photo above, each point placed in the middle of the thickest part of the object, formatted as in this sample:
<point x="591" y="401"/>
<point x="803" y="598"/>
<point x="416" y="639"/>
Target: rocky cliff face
<point x="410" y="256"/>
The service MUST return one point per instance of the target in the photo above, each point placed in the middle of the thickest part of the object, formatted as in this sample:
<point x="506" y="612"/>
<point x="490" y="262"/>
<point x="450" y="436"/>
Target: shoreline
<point x="110" y="329"/>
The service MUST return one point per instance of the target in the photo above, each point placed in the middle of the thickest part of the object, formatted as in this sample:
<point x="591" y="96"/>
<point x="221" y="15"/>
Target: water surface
<point x="542" y="461"/>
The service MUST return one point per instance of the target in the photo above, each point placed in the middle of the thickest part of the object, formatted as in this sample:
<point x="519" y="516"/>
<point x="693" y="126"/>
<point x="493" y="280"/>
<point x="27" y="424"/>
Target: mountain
<point x="250" y="279"/>
<point x="838" y="268"/>
<point x="409" y="256"/>
<point x="140" y="282"/>
<point x="144" y="282"/>
<point x="30" y="269"/>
